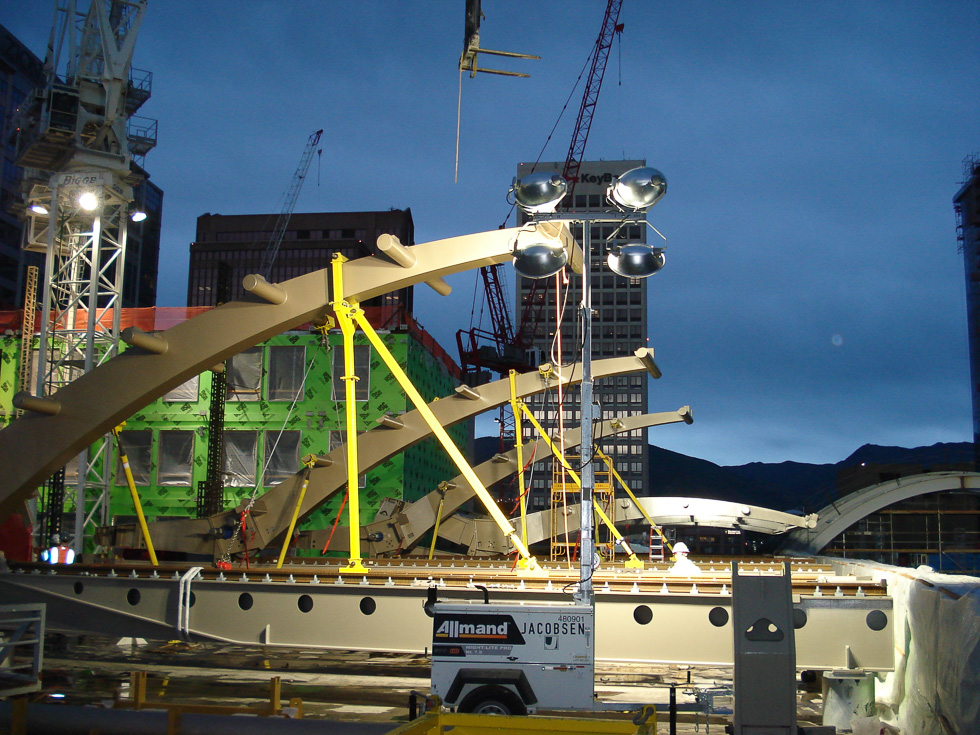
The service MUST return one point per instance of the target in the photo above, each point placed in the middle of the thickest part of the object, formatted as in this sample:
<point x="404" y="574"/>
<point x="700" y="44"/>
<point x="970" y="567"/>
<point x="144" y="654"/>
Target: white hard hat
<point x="681" y="548"/>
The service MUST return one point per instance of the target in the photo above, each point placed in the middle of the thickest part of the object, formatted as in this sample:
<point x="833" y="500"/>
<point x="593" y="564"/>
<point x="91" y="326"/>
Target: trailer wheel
<point x="493" y="700"/>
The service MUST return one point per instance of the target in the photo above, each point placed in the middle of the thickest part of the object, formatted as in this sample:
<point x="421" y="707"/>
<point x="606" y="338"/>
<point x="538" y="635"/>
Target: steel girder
<point x="35" y="445"/>
<point x="374" y="614"/>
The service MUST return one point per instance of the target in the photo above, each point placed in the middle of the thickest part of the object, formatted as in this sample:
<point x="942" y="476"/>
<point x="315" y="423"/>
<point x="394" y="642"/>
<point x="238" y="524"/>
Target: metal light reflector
<point x="635" y="260"/>
<point x="539" y="192"/>
<point x="638" y="188"/>
<point x="538" y="256"/>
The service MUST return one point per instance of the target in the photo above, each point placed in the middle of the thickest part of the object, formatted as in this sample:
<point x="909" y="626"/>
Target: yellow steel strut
<point x="124" y="460"/>
<point x="309" y="464"/>
<point x="609" y="463"/>
<point x="345" y="313"/>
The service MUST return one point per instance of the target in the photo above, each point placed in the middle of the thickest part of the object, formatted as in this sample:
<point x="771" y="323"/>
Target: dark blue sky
<point x="813" y="298"/>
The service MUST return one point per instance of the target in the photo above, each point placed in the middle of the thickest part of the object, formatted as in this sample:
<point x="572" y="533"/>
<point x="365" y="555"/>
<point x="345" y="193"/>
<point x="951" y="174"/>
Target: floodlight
<point x="538" y="256"/>
<point x="39" y="208"/>
<point x="637" y="189"/>
<point x="138" y="215"/>
<point x="539" y="192"/>
<point x="635" y="260"/>
<point x="88" y="200"/>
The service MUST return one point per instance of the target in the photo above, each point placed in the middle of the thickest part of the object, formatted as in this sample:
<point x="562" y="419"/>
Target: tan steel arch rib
<point x="34" y="446"/>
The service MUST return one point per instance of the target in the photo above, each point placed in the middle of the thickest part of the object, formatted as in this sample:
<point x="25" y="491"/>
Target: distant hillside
<point x="782" y="485"/>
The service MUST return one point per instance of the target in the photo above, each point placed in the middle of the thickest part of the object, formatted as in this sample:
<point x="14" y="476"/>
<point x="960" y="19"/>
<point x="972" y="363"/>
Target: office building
<point x="966" y="204"/>
<point x="230" y="247"/>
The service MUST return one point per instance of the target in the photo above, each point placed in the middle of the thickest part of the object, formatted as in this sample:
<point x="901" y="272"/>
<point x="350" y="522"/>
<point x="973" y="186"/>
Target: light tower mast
<point x="78" y="143"/>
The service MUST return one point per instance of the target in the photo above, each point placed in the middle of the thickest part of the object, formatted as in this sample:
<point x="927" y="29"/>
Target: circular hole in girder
<point x="245" y="601"/>
<point x="79" y="588"/>
<point x="368" y="605"/>
<point x="133" y="597"/>
<point x="642" y="614"/>
<point x="718" y="617"/>
<point x="799" y="617"/>
<point x="304" y="603"/>
<point x="877" y="620"/>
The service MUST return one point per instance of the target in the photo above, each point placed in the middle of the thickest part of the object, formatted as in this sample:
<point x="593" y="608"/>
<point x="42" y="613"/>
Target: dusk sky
<point x="813" y="298"/>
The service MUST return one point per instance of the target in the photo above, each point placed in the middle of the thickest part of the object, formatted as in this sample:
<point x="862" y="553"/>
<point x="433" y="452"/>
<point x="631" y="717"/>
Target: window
<point x="286" y="370"/>
<point x="183" y="393"/>
<point x="245" y="375"/>
<point x="176" y="455"/>
<point x="136" y="445"/>
<point x="362" y="369"/>
<point x="282" y="458"/>
<point x="238" y="465"/>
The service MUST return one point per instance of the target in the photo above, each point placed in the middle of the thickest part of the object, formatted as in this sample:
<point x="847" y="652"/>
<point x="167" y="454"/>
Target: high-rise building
<point x="967" y="206"/>
<point x="20" y="72"/>
<point x="230" y="247"/>
<point x="619" y="326"/>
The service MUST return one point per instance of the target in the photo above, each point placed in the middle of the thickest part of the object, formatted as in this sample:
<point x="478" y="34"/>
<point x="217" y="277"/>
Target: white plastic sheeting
<point x="935" y="688"/>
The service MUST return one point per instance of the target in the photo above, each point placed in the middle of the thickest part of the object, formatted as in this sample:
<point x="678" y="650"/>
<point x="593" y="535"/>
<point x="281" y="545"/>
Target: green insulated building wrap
<point x="285" y="399"/>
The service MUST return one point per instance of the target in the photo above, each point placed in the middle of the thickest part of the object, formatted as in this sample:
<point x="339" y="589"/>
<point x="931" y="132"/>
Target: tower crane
<point x="505" y="347"/>
<point x="289" y="203"/>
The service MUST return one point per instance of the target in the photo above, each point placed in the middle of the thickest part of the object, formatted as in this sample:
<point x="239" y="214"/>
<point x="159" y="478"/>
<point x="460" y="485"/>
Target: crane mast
<point x="289" y="203"/>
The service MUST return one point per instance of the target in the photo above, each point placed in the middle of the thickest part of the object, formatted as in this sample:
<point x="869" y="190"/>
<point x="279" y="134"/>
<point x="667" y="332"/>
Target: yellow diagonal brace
<point x="529" y="564"/>
<point x="124" y="460"/>
<point x="609" y="463"/>
<point x="299" y="505"/>
<point x="634" y="561"/>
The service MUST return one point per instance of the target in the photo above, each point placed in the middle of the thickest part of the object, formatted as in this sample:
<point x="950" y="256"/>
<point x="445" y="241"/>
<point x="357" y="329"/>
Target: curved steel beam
<point x="416" y="519"/>
<point x="663" y="511"/>
<point x="35" y="445"/>
<point x="844" y="513"/>
<point x="272" y="512"/>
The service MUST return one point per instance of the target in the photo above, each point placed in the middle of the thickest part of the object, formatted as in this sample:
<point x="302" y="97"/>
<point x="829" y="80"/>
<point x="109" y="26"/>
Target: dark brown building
<point x="230" y="247"/>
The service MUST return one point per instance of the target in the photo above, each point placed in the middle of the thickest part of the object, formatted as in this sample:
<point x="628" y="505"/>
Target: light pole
<point x="632" y="193"/>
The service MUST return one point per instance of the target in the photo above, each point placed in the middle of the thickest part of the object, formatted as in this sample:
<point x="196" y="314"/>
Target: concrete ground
<point x="344" y="686"/>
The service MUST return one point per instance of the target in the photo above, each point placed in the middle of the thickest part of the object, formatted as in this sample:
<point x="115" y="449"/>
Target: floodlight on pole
<point x="635" y="260"/>
<point x="138" y="215"/>
<point x="538" y="193"/>
<point x="538" y="256"/>
<point x="38" y="208"/>
<point x="638" y="189"/>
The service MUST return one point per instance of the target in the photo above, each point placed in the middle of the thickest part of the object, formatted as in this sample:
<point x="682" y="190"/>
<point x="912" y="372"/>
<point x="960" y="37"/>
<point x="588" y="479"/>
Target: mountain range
<point x="783" y="485"/>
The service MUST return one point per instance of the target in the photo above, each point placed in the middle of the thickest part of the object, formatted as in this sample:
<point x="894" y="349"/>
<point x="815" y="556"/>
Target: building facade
<point x="230" y="247"/>
<point x="285" y="399"/>
<point x="966" y="204"/>
<point x="619" y="327"/>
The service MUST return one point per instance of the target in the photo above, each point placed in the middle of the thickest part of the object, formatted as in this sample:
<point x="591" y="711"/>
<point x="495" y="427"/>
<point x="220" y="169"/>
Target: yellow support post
<point x="634" y="562"/>
<point x="345" y="312"/>
<point x="124" y="460"/>
<point x="527" y="564"/>
<point x="299" y="505"/>
<point x="515" y="408"/>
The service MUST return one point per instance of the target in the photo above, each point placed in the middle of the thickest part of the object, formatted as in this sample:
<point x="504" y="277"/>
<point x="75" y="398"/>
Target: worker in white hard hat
<point x="682" y="566"/>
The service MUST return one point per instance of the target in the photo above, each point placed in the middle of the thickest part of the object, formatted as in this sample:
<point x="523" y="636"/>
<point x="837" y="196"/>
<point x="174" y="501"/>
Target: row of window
<point x="278" y="373"/>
